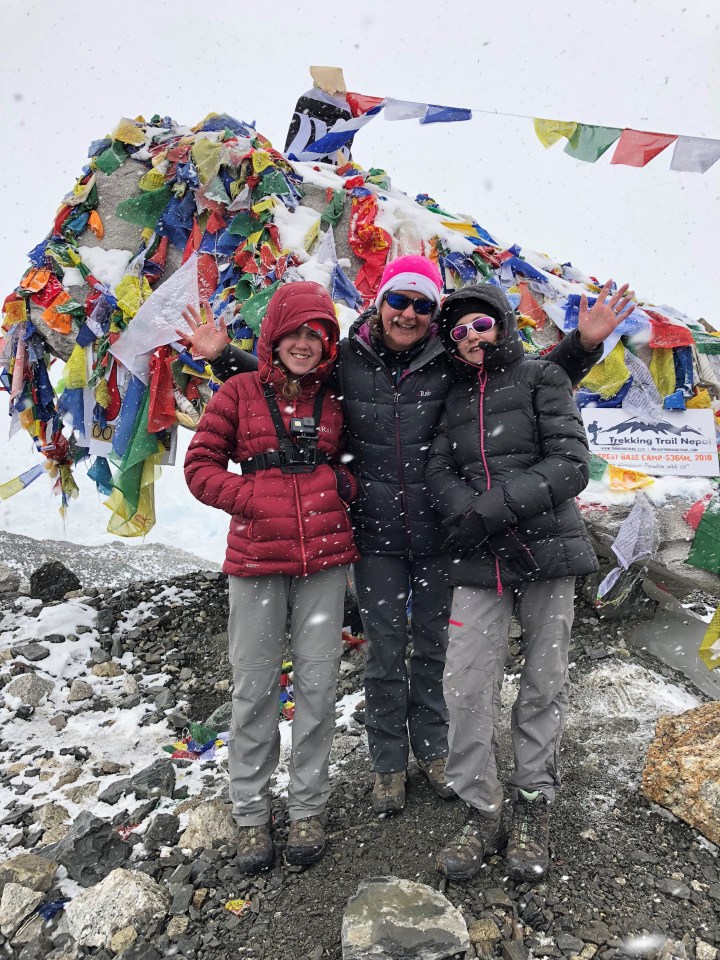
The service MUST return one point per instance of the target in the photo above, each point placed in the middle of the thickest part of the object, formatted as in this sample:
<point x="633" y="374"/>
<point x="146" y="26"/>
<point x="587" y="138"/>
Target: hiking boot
<point x="463" y="857"/>
<point x="388" y="794"/>
<point x="358" y="713"/>
<point x="434" y="770"/>
<point x="305" y="842"/>
<point x="255" y="851"/>
<point x="527" y="850"/>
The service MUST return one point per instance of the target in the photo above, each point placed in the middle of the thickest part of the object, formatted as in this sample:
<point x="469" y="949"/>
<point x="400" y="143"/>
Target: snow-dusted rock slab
<point x="390" y="918"/>
<point x="123" y="899"/>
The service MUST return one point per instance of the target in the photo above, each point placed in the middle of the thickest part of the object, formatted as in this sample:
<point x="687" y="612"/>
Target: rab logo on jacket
<point x="425" y="393"/>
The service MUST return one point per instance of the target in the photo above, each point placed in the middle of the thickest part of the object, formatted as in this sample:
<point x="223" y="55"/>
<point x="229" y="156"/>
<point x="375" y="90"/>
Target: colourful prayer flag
<point x="694" y="154"/>
<point x="636" y="148"/>
<point x="549" y="131"/>
<point x="589" y="143"/>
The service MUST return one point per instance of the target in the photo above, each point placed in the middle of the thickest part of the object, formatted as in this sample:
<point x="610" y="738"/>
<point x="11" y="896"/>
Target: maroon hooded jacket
<point x="285" y="523"/>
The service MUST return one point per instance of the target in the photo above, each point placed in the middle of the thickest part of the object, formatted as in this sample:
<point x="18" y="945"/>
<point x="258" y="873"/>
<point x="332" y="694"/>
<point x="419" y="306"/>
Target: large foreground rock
<point x="52" y="581"/>
<point x="388" y="919"/>
<point x="682" y="770"/>
<point x="90" y="850"/>
<point x="29" y="870"/>
<point x="123" y="899"/>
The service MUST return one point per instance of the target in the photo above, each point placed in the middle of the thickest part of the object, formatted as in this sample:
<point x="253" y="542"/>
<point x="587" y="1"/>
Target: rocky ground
<point x="628" y="879"/>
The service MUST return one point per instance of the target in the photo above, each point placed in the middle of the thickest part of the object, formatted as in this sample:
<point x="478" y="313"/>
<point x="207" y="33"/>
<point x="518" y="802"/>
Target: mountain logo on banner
<point x="635" y="425"/>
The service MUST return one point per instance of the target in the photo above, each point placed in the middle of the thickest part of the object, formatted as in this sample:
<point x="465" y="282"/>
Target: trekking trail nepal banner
<point x="682" y="443"/>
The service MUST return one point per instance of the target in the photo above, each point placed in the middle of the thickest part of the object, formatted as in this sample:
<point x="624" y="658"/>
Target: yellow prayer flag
<point x="75" y="372"/>
<point x="710" y="657"/>
<point x="261" y="160"/>
<point x="128" y="132"/>
<point x="550" y="131"/>
<point x="700" y="401"/>
<point x="10" y="488"/>
<point x="131" y="293"/>
<point x="312" y="235"/>
<point x="662" y="370"/>
<point x="102" y="394"/>
<point x="15" y="312"/>
<point x="152" y="180"/>
<point x="622" y="479"/>
<point x="609" y="375"/>
<point x="206" y="156"/>
<point x="267" y="203"/>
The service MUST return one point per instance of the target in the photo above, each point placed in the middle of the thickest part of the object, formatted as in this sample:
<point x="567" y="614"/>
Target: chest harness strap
<point x="298" y="451"/>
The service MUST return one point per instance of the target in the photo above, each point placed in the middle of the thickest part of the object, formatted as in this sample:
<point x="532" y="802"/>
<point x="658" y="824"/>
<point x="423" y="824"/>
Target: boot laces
<point x="530" y="823"/>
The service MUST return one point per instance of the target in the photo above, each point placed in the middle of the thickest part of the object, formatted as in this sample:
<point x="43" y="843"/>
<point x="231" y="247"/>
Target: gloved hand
<point x="465" y="539"/>
<point x="514" y="554"/>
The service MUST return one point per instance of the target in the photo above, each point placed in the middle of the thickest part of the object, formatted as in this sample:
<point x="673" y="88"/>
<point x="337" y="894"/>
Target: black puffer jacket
<point x="390" y="430"/>
<point x="511" y="447"/>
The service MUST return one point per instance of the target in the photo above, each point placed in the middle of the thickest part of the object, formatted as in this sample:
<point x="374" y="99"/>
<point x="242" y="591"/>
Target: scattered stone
<point x="120" y="941"/>
<point x="31" y="651"/>
<point x="568" y="943"/>
<point x="51" y="815"/>
<point x="29" y="688"/>
<point x="163" y="831"/>
<point x="496" y="897"/>
<point x="157" y="780"/>
<point x="389" y="918"/>
<point x="177" y="927"/>
<point x="81" y="793"/>
<point x="17" y="904"/>
<point x="682" y="770"/>
<point x="59" y="721"/>
<point x="107" y="669"/>
<point x="124" y="898"/>
<point x="52" y="581"/>
<point x="29" y="870"/>
<point x="484" y="931"/>
<point x="704" y="951"/>
<point x="80" y="690"/>
<point x="9" y="581"/>
<point x="90" y="851"/>
<point x="673" y="888"/>
<point x="513" y="950"/>
<point x="220" y="719"/>
<point x="210" y="822"/>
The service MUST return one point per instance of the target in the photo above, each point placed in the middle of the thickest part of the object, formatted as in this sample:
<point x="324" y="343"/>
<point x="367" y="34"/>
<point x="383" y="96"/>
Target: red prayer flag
<point x="636" y="148"/>
<point x="360" y="103"/>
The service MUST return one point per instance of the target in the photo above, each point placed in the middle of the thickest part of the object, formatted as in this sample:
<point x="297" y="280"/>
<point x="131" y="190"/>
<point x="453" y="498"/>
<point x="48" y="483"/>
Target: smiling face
<point x="402" y="329"/>
<point x="300" y="352"/>
<point x="472" y="348"/>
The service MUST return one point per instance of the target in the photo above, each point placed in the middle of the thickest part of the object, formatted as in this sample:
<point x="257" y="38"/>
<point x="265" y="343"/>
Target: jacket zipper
<point x="482" y="380"/>
<point x="401" y="474"/>
<point x="298" y="511"/>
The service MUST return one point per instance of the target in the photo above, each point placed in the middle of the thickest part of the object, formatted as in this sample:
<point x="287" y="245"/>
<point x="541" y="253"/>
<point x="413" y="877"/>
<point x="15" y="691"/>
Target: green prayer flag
<point x="111" y="159"/>
<point x="481" y="266"/>
<point x="273" y="182"/>
<point x="598" y="466"/>
<point x="202" y="734"/>
<point x="589" y="143"/>
<point x="705" y="550"/>
<point x="334" y="210"/>
<point x="128" y="483"/>
<point x="145" y="210"/>
<point x="243" y="225"/>
<point x="244" y="289"/>
<point x="253" y="310"/>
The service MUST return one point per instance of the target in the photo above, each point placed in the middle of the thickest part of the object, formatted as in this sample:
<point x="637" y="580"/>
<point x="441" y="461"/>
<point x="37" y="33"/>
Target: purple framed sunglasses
<point x="479" y="325"/>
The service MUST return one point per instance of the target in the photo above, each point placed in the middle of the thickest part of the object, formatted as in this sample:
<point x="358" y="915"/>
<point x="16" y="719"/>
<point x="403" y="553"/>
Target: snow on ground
<point x="111" y="734"/>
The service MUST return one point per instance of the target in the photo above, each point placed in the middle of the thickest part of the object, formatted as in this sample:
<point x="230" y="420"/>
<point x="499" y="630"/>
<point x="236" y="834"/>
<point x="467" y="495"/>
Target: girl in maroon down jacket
<point x="289" y="545"/>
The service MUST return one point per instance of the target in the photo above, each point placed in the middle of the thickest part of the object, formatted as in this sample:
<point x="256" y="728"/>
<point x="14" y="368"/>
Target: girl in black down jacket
<point x="509" y="458"/>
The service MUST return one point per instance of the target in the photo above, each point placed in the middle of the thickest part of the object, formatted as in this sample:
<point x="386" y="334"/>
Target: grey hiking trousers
<point x="474" y="671"/>
<point x="256" y="629"/>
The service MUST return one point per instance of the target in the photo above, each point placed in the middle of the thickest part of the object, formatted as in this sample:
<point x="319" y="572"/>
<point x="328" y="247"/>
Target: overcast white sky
<point x="70" y="70"/>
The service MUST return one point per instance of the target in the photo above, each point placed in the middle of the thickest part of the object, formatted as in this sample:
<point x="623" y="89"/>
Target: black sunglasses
<point x="479" y="325"/>
<point x="421" y="306"/>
